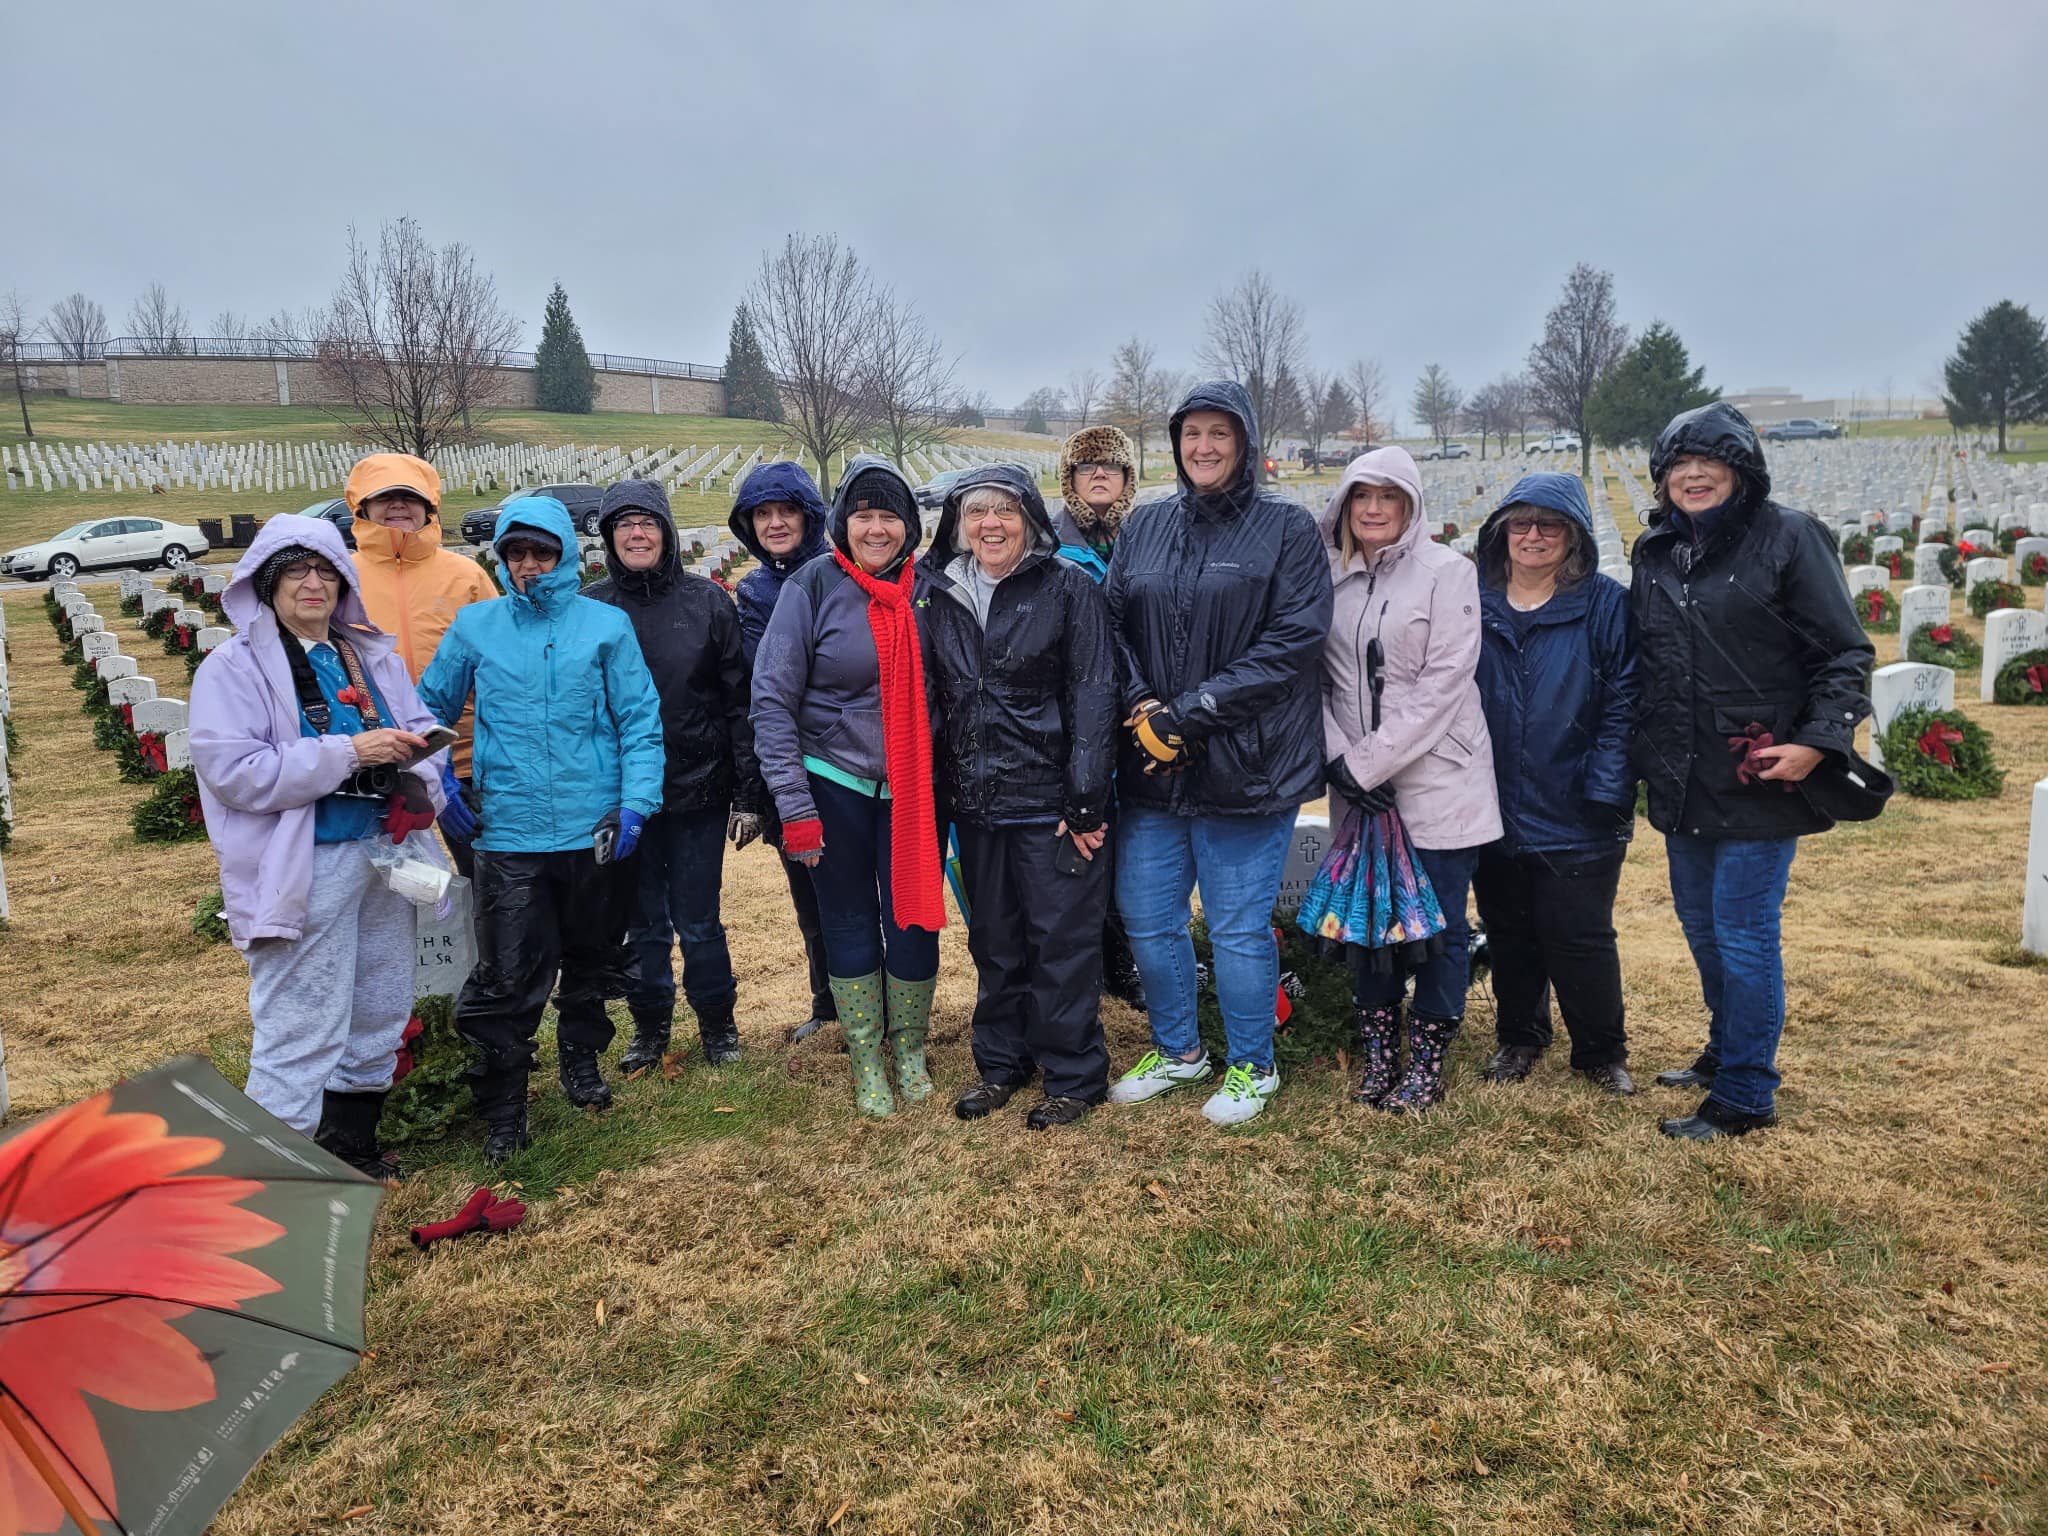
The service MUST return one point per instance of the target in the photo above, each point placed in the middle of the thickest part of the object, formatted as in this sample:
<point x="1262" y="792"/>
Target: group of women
<point x="1106" y="707"/>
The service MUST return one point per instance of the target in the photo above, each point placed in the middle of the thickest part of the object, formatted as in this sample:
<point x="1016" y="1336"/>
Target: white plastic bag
<point x="415" y="868"/>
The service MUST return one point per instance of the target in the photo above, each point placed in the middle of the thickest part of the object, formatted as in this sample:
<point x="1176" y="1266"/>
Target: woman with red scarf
<point x="843" y="732"/>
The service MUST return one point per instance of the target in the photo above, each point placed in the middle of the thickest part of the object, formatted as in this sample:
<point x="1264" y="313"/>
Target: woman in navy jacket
<point x="1557" y="681"/>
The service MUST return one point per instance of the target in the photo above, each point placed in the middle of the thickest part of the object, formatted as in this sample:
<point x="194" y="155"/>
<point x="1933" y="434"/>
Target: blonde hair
<point x="1347" y="542"/>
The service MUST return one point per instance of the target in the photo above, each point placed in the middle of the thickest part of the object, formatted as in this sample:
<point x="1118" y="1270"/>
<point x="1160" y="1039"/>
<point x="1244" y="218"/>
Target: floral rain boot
<point x="1429" y="1043"/>
<point x="1379" y="1039"/>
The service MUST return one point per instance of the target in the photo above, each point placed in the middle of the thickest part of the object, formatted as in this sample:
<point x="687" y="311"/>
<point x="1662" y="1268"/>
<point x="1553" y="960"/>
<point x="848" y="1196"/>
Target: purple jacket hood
<point x="259" y="777"/>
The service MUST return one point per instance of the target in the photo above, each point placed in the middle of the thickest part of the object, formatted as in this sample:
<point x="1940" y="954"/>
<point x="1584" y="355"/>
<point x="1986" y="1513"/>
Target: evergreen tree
<point x="1035" y="422"/>
<point x="1999" y="373"/>
<point x="751" y="393"/>
<point x="1651" y="384"/>
<point x="563" y="379"/>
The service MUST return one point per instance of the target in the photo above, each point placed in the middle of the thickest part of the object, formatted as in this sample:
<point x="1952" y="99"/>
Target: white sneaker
<point x="1156" y="1074"/>
<point x="1242" y="1096"/>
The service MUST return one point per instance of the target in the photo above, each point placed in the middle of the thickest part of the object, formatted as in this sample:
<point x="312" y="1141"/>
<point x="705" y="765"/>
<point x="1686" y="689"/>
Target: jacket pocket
<point x="1452" y="748"/>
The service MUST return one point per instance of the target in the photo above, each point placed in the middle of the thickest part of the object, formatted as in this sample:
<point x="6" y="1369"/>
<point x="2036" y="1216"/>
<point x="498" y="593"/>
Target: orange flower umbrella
<point x="181" y="1275"/>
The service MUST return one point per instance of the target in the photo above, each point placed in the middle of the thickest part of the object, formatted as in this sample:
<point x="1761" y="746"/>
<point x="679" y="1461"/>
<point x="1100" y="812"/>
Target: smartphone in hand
<point x="1068" y="859"/>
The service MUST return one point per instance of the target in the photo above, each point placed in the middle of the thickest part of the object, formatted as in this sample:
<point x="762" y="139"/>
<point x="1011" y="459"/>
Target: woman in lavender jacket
<point x="281" y="732"/>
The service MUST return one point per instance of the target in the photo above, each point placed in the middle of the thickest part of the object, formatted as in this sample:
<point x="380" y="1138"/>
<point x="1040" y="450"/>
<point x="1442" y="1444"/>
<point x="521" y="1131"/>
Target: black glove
<point x="1371" y="801"/>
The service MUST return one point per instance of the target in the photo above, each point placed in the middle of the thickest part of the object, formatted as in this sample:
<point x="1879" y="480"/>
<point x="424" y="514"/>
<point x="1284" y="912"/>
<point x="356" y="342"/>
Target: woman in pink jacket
<point x="1402" y="724"/>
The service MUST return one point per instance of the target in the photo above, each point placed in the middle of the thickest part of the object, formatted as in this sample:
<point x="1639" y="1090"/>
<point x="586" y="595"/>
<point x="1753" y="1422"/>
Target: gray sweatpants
<point x="330" y="1006"/>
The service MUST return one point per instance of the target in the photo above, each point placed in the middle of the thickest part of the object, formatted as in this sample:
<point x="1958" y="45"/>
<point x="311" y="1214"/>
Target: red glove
<point x="402" y="823"/>
<point x="801" y="837"/>
<point x="467" y="1220"/>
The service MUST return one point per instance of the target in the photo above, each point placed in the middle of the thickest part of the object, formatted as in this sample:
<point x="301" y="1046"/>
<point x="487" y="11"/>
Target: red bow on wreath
<point x="1936" y="740"/>
<point x="1941" y="634"/>
<point x="2037" y="677"/>
<point x="184" y="638"/>
<point x="151" y="745"/>
<point x="128" y="716"/>
<point x="1894" y="560"/>
<point x="1966" y="549"/>
<point x="1876" y="604"/>
<point x="1748" y="769"/>
<point x="2037" y="565"/>
<point x="413" y="1030"/>
<point x="195" y="813"/>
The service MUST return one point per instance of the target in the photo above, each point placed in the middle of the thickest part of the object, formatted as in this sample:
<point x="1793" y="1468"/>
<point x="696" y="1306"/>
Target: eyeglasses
<point x="1096" y="467"/>
<point x="299" y="570"/>
<point x="1522" y="527"/>
<point x="997" y="514"/>
<point x="642" y="524"/>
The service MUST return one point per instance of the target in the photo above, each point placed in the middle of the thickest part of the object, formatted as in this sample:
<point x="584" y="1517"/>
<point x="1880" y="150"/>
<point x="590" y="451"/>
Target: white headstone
<point x="191" y="618"/>
<point x="132" y="688"/>
<point x="1920" y="606"/>
<point x="2034" y="908"/>
<point x="1927" y="561"/>
<point x="1890" y="544"/>
<point x="99" y="644"/>
<point x="178" y="750"/>
<point x="447" y="946"/>
<point x="153" y="600"/>
<point x="161" y="716"/>
<point x="1984" y="568"/>
<point x="1862" y="578"/>
<point x="213" y="635"/>
<point x="2008" y="633"/>
<point x="1906" y="685"/>
<point x="214" y="581"/>
<point x="1311" y="846"/>
<point x="2024" y="550"/>
<point x="87" y="624"/>
<point x="1983" y="538"/>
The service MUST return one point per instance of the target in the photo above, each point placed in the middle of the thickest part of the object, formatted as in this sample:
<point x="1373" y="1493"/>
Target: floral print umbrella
<point x="1372" y="894"/>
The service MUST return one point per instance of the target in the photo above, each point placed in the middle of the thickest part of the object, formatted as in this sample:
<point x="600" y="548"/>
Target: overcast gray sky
<point x="1816" y="195"/>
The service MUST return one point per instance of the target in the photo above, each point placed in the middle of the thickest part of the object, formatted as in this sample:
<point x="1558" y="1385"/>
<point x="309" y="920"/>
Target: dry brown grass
<point x="1525" y="1313"/>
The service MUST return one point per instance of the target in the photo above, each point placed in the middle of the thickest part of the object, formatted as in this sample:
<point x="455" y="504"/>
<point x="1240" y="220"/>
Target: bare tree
<point x="1480" y="413"/>
<point x="1256" y="336"/>
<point x="1436" y="401"/>
<point x="1368" y="388"/>
<point x="290" y="331"/>
<point x="1581" y="341"/>
<point x="1084" y="389"/>
<point x="412" y="347"/>
<point x="909" y="378"/>
<point x="16" y="328"/>
<point x="1511" y="393"/>
<point x="158" y="325"/>
<point x="813" y="308"/>
<point x="233" y="327"/>
<point x="1140" y="394"/>
<point x="79" y="327"/>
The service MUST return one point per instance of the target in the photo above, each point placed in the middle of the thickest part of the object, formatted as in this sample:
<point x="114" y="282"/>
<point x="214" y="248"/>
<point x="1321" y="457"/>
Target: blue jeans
<point x="682" y="862"/>
<point x="852" y="882"/>
<point x="1237" y="861"/>
<point x="1441" y="982"/>
<point x="1729" y="893"/>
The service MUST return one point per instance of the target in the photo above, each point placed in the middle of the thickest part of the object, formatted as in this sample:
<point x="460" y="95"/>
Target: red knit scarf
<point x="915" y="894"/>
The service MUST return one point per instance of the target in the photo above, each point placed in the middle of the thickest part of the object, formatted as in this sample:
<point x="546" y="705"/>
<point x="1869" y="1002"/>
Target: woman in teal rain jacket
<point x="568" y="742"/>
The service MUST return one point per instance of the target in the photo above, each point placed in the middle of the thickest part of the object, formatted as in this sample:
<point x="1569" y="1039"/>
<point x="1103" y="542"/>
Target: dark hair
<point x="1579" y="560"/>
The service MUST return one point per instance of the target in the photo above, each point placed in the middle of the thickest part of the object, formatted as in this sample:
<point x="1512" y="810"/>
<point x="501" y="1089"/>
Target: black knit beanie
<point x="267" y="574"/>
<point x="877" y="488"/>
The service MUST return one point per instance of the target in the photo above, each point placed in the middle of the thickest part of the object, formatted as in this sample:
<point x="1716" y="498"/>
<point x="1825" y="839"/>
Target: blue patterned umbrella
<point x="1372" y="894"/>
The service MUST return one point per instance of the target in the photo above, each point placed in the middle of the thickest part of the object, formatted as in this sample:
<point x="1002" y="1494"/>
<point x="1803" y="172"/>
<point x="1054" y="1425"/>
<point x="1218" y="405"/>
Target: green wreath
<point x="13" y="744"/>
<point x="1956" y="653"/>
<point x="109" y="730"/>
<point x="1878" y="611"/>
<point x="155" y="625"/>
<point x="1949" y="563"/>
<point x="434" y="1093"/>
<point x="1856" y="548"/>
<point x="132" y="606"/>
<point x="2023" y="680"/>
<point x="2007" y="538"/>
<point x="207" y="921"/>
<point x="1917" y="741"/>
<point x="2034" y="573"/>
<point x="1899" y="563"/>
<point x="171" y="813"/>
<point x="1937" y="536"/>
<point x="1987" y="597"/>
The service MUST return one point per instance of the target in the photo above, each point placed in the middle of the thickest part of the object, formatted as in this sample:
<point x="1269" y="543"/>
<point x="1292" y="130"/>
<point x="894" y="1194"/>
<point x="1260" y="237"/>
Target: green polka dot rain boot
<point x="861" y="1017"/>
<point x="910" y="1013"/>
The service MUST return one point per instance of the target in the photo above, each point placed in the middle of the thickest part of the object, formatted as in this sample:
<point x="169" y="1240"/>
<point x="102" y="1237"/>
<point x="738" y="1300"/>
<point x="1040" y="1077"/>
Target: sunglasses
<point x="519" y="549"/>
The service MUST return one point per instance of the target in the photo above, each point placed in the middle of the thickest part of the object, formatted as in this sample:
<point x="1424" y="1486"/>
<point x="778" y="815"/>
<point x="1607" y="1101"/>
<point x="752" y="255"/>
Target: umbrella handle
<point x="18" y="1430"/>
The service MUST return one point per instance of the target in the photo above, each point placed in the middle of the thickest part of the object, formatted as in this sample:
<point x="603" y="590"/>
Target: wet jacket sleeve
<point x="1414" y="719"/>
<point x="1816" y="604"/>
<point x="445" y="685"/>
<point x="234" y="757"/>
<point x="1089" y="705"/>
<point x="782" y="668"/>
<point x="1289" y="644"/>
<point x="1129" y="681"/>
<point x="736" y="687"/>
<point x="753" y="612"/>
<point x="1611" y="633"/>
<point x="635" y="710"/>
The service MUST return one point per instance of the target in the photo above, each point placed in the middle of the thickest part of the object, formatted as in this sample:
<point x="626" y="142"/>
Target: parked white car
<point x="1557" y="442"/>
<point x="1449" y="450"/>
<point x="139" y="542"/>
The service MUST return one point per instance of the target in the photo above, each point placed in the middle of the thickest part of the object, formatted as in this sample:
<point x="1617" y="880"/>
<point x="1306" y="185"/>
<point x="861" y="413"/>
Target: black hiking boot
<point x="650" y="1044"/>
<point x="1699" y="1075"/>
<point x="719" y="1036"/>
<point x="1056" y="1111"/>
<point x="1511" y="1064"/>
<point x="501" y="1105"/>
<point x="581" y="1081"/>
<point x="984" y="1099"/>
<point x="1713" y="1120"/>
<point x="348" y="1130"/>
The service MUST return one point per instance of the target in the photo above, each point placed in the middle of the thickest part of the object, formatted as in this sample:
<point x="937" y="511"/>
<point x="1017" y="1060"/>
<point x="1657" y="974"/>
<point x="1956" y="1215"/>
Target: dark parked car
<point x="582" y="501"/>
<point x="932" y="494"/>
<point x="1799" y="429"/>
<point x="337" y="513"/>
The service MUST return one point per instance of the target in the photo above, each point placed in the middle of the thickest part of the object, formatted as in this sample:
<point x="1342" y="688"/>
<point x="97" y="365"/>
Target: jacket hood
<point x="1565" y="494"/>
<point x="783" y="480"/>
<point x="548" y="592"/>
<point x="1230" y="397"/>
<point x="382" y="472"/>
<point x="1098" y="445"/>
<point x="639" y="496"/>
<point x="1015" y="479"/>
<point x="1714" y="431"/>
<point x="389" y="545"/>
<point x="238" y="599"/>
<point x="1382" y="466"/>
<point x="855" y="466"/>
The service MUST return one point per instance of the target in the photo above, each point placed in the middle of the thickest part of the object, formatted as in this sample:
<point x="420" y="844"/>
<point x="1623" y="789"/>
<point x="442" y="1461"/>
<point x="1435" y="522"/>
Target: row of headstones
<point x="2008" y="632"/>
<point x="126" y="684"/>
<point x="134" y="466"/>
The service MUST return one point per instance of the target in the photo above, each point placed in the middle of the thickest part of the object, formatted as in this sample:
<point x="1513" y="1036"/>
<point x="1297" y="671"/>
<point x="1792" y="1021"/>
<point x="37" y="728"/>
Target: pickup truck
<point x="1557" y="442"/>
<point x="1800" y="428"/>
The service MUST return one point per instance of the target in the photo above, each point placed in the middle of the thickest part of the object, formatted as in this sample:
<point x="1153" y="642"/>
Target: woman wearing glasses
<point x="307" y="741"/>
<point x="1402" y="726"/>
<point x="1557" y="677"/>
